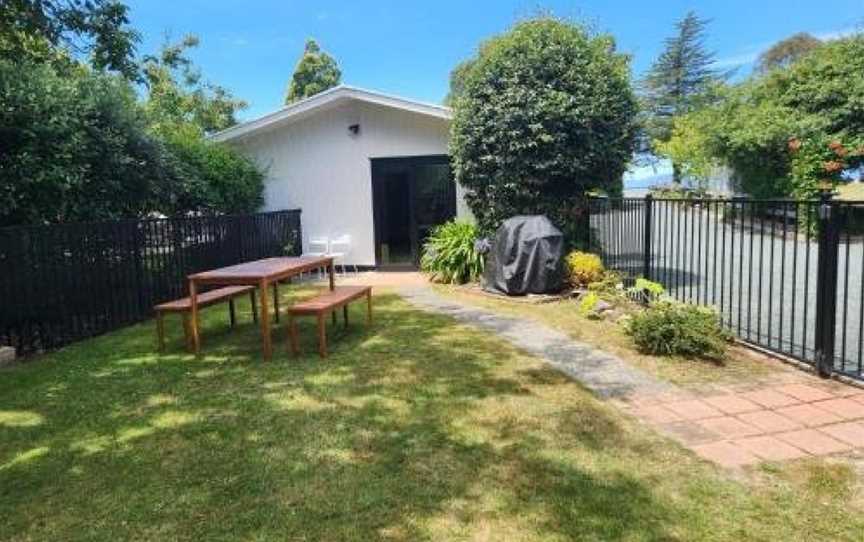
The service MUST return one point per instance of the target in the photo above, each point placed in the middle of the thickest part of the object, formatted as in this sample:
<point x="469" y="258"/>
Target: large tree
<point x="785" y="52"/>
<point x="315" y="72"/>
<point x="95" y="29"/>
<point x="546" y="114"/>
<point x="679" y="81"/>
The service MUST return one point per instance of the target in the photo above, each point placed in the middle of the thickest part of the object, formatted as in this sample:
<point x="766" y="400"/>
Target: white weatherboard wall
<point x="317" y="165"/>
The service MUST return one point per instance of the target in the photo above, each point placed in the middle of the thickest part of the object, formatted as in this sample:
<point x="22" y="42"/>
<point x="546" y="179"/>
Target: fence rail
<point x="62" y="283"/>
<point x="783" y="275"/>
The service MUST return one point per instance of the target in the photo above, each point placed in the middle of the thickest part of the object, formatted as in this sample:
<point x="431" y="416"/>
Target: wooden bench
<point x="205" y="299"/>
<point x="320" y="305"/>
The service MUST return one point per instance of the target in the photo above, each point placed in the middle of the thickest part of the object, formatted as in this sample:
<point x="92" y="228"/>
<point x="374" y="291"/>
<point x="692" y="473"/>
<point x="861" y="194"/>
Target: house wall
<point x="315" y="164"/>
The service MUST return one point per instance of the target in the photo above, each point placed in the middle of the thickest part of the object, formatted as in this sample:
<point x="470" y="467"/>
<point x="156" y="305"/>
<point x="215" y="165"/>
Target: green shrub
<point x="544" y="113"/>
<point x="584" y="268"/>
<point x="646" y="291"/>
<point x="449" y="254"/>
<point x="587" y="304"/>
<point x="670" y="328"/>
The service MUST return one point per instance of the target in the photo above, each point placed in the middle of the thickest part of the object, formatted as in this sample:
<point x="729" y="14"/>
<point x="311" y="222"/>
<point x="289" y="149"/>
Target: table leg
<point x="331" y="269"/>
<point x="193" y="317"/>
<point x="322" y="335"/>
<point x="369" y="307"/>
<point x="345" y="314"/>
<point x="292" y="334"/>
<point x="265" y="321"/>
<point x="254" y="304"/>
<point x="232" y="313"/>
<point x="276" y="301"/>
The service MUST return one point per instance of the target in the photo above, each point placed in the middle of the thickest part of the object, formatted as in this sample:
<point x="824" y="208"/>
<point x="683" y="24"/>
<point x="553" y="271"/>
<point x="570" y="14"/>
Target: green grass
<point x="415" y="429"/>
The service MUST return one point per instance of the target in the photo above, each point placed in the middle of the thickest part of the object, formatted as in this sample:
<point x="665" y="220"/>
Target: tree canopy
<point x="315" y="72"/>
<point x="679" y="81"/>
<point x="97" y="29"/>
<point x="785" y="52"/>
<point x="546" y="114"/>
<point x="786" y="132"/>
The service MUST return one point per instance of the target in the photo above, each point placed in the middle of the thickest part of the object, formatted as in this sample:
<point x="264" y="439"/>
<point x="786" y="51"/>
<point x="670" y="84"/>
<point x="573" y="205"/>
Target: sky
<point x="408" y="48"/>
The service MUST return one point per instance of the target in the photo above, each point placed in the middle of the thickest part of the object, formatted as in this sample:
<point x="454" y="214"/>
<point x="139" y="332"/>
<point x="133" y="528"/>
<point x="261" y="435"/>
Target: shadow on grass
<point x="415" y="428"/>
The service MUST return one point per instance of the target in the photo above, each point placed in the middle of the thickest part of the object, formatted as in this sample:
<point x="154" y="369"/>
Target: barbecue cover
<point x="526" y="257"/>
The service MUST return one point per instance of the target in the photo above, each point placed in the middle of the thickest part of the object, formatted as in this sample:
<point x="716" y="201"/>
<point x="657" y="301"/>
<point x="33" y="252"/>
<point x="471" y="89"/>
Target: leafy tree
<point x="547" y="113"/>
<point x="679" y="81"/>
<point x="315" y="72"/>
<point x="785" y="52"/>
<point x="177" y="94"/>
<point x="93" y="160"/>
<point x="32" y="29"/>
<point x="457" y="81"/>
<point x="788" y="132"/>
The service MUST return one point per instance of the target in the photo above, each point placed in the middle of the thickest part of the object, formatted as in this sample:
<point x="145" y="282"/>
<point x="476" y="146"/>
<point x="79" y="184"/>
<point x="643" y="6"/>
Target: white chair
<point x="340" y="247"/>
<point x="318" y="246"/>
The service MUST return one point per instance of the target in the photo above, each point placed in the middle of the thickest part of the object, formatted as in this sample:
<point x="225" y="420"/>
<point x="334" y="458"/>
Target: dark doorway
<point x="410" y="196"/>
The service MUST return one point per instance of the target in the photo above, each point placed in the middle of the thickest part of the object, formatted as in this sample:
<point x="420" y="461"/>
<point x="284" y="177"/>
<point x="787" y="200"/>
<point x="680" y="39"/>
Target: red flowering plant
<point x="820" y="161"/>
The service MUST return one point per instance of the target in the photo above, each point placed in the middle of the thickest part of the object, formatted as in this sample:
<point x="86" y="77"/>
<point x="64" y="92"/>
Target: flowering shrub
<point x="583" y="268"/>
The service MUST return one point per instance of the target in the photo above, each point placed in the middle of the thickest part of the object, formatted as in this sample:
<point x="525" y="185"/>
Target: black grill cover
<point x="526" y="257"/>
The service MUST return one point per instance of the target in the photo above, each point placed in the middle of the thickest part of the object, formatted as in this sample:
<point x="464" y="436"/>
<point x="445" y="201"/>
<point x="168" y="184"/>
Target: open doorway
<point x="410" y="196"/>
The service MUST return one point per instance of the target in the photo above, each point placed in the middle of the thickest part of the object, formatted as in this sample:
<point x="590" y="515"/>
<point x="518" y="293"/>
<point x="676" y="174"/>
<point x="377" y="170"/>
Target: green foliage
<point x="545" y="113"/>
<point x="783" y="53"/>
<point x="587" y="304"/>
<point x="34" y="30"/>
<point x="449" y="254"/>
<point x="647" y="291"/>
<point x="584" y="268"/>
<point x="670" y="328"/>
<point x="177" y="95"/>
<point x="98" y="159"/>
<point x="211" y="177"/>
<point x="679" y="80"/>
<point x="75" y="147"/>
<point x="458" y="75"/>
<point x="785" y="133"/>
<point x="315" y="72"/>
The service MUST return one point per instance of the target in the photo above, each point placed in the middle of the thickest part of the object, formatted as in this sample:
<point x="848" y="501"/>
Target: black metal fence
<point x="783" y="275"/>
<point x="62" y="283"/>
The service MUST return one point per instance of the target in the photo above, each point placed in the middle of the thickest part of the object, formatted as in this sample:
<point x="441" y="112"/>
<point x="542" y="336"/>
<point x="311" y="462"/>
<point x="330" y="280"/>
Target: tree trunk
<point x="676" y="174"/>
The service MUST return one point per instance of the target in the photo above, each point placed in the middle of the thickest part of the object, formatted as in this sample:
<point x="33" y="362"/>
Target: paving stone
<point x="725" y="454"/>
<point x="809" y="415"/>
<point x="851" y="433"/>
<point x="770" y="398"/>
<point x="845" y="408"/>
<point x="732" y="404"/>
<point x="688" y="433"/>
<point x="769" y="421"/>
<point x="656" y="414"/>
<point x="813" y="441"/>
<point x="729" y="428"/>
<point x="804" y="393"/>
<point x="770" y="448"/>
<point x="693" y="409"/>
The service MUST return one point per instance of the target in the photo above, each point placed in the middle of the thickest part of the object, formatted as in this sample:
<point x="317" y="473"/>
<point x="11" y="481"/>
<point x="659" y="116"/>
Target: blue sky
<point x="407" y="48"/>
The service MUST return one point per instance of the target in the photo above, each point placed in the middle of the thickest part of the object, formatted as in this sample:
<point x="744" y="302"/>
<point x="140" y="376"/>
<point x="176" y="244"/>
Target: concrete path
<point x="602" y="373"/>
<point x="797" y="415"/>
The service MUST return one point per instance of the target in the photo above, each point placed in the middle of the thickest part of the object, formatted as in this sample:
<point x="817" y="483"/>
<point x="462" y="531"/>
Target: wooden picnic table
<point x="259" y="273"/>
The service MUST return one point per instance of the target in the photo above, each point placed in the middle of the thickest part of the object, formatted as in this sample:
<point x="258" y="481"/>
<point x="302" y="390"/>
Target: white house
<point x="357" y="163"/>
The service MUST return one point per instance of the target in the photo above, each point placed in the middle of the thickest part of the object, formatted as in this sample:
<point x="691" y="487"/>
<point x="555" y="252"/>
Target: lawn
<point x="418" y="429"/>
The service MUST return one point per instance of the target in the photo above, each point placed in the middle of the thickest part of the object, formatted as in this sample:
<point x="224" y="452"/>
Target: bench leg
<point x="276" y="301"/>
<point x="254" y="303"/>
<point x="322" y="335"/>
<point x="187" y="332"/>
<point x="369" y="307"/>
<point x="333" y="314"/>
<point x="160" y="330"/>
<point x="232" y="315"/>
<point x="345" y="315"/>
<point x="292" y="335"/>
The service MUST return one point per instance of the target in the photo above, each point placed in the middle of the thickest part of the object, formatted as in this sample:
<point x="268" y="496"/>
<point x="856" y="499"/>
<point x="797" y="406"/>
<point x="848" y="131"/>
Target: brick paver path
<point x="795" y="416"/>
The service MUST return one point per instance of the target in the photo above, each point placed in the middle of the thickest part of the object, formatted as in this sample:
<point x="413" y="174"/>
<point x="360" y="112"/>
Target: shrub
<point x="646" y="291"/>
<point x="543" y="114"/>
<point x="449" y="254"/>
<point x="587" y="304"/>
<point x="583" y="268"/>
<point x="670" y="328"/>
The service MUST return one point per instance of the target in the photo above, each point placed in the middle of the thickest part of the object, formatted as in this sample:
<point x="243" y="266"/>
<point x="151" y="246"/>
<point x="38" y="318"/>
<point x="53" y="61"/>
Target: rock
<point x="7" y="356"/>
<point x="602" y="306"/>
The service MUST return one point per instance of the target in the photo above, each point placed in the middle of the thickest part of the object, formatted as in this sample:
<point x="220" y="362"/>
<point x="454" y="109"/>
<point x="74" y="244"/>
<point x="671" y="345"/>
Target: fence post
<point x="826" y="285"/>
<point x="646" y="240"/>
